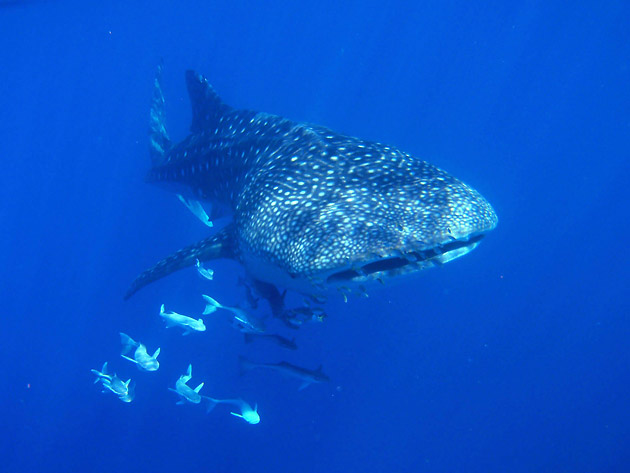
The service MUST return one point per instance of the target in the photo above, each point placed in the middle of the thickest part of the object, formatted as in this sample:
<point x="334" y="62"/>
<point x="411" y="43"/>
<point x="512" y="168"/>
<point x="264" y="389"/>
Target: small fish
<point x="248" y="414"/>
<point x="307" y="376"/>
<point x="272" y="337"/>
<point x="197" y="209"/>
<point x="243" y="321"/>
<point x="189" y="324"/>
<point x="294" y="318"/>
<point x="124" y="390"/>
<point x="141" y="358"/>
<point x="205" y="273"/>
<point x="186" y="393"/>
<point x="271" y="294"/>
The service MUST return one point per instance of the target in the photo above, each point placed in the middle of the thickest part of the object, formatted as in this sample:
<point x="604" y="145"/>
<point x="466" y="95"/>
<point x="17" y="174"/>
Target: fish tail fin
<point x="211" y="305"/>
<point x="211" y="404"/>
<point x="127" y="342"/>
<point x="244" y="365"/>
<point x="217" y="246"/>
<point x="160" y="141"/>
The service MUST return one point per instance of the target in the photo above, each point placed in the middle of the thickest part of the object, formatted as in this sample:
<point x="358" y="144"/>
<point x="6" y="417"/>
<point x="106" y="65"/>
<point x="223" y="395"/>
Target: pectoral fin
<point x="197" y="209"/>
<point x="217" y="246"/>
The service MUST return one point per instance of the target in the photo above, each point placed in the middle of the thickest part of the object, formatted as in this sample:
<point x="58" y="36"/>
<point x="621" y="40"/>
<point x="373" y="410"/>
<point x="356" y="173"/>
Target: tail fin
<point x="244" y="365"/>
<point x="211" y="305"/>
<point x="160" y="141"/>
<point x="217" y="246"/>
<point x="128" y="343"/>
<point x="211" y="404"/>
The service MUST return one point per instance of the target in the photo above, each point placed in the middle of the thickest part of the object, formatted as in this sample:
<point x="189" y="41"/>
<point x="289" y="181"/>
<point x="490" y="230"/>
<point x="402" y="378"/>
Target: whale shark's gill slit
<point x="397" y="262"/>
<point x="348" y="275"/>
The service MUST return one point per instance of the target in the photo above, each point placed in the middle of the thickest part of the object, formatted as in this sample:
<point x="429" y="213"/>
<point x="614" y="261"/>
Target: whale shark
<point x="309" y="209"/>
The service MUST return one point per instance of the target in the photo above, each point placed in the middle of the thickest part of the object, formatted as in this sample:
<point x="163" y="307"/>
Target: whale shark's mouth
<point x="406" y="262"/>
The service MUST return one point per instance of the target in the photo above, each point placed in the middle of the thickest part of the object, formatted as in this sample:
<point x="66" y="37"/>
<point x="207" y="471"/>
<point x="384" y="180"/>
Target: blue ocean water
<point x="513" y="358"/>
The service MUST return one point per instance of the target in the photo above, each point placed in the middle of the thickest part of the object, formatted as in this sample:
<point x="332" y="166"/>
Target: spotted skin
<point x="310" y="204"/>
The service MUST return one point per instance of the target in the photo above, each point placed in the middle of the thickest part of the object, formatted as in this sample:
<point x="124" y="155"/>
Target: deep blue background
<point x="514" y="358"/>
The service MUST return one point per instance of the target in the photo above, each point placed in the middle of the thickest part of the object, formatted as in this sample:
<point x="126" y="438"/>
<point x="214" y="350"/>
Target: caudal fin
<point x="128" y="343"/>
<point x="211" y="305"/>
<point x="160" y="141"/>
<point x="211" y="404"/>
<point x="244" y="365"/>
<point x="217" y="246"/>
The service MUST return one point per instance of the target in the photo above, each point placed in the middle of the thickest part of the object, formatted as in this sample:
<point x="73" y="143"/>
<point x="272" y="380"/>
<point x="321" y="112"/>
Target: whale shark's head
<point x="445" y="221"/>
<point x="366" y="219"/>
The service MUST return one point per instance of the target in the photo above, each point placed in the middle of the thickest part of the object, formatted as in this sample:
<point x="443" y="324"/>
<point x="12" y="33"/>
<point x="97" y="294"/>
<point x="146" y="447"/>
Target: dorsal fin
<point x="207" y="106"/>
